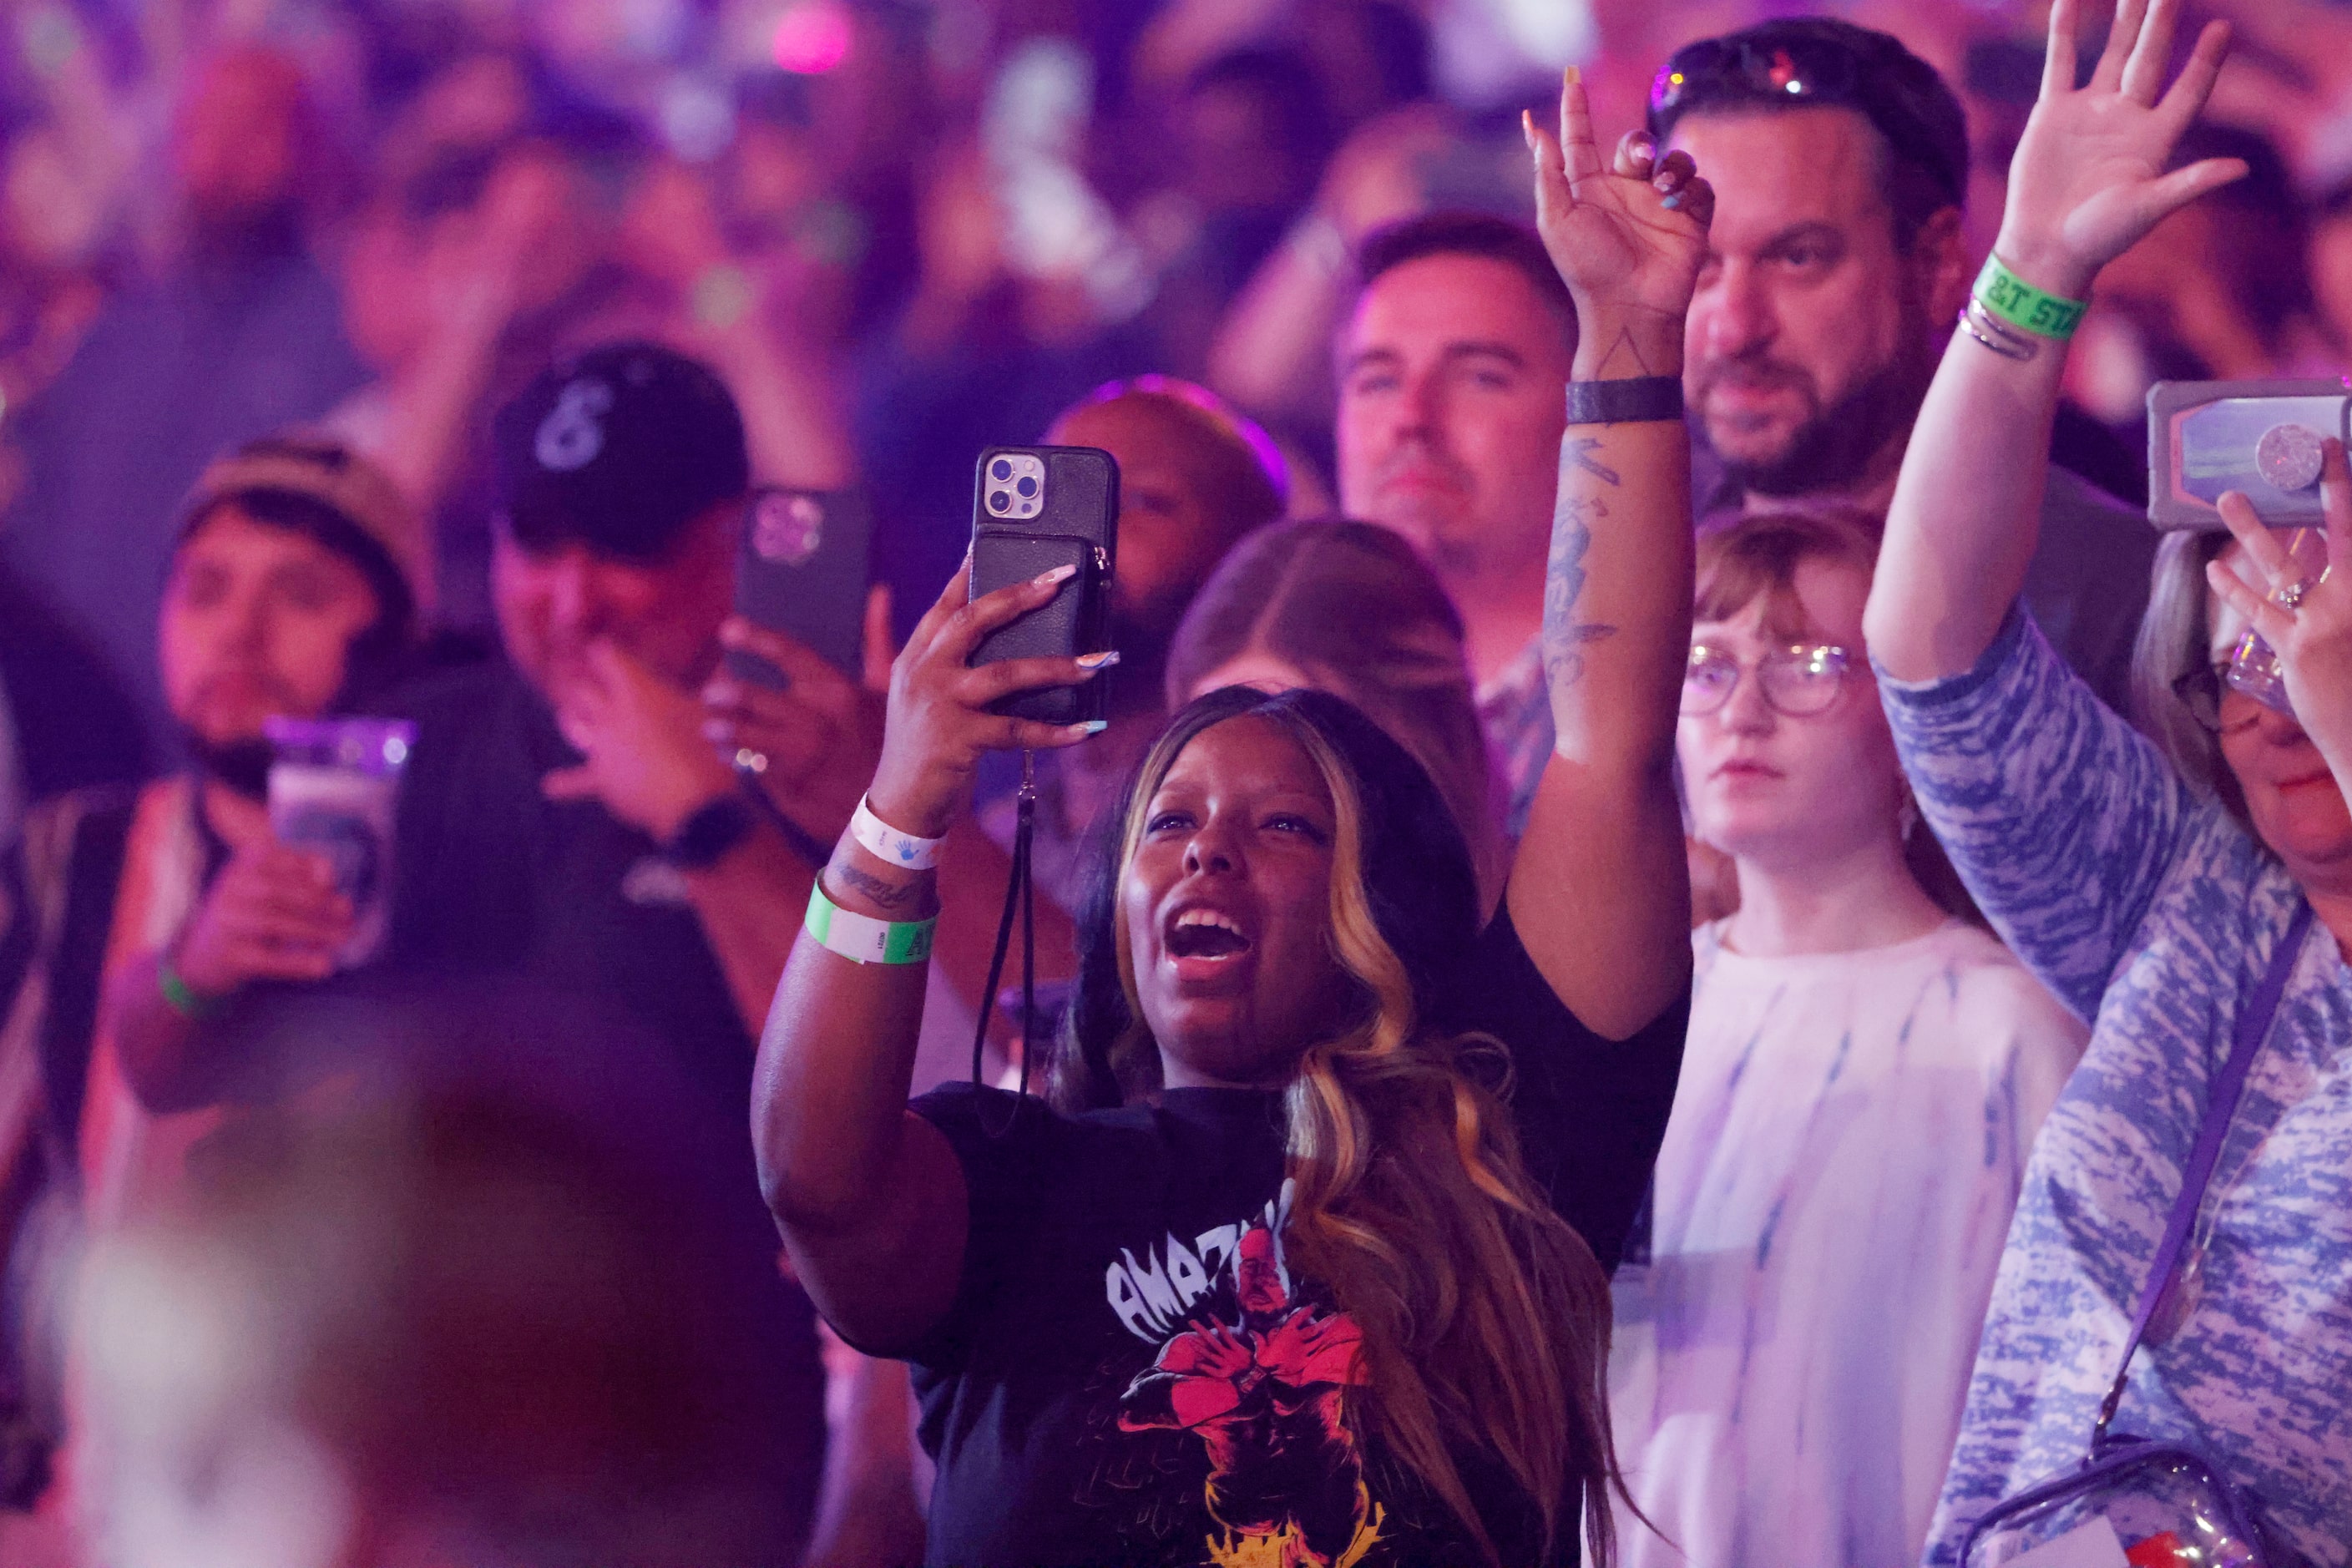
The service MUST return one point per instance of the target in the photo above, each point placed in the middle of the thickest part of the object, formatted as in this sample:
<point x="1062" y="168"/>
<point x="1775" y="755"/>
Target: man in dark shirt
<point x="565" y="813"/>
<point x="565" y="823"/>
<point x="1836" y="267"/>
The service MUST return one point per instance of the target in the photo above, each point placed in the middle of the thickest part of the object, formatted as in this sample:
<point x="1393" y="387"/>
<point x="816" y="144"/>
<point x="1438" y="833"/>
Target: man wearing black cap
<point x="567" y="836"/>
<point x="564" y="810"/>
<point x="1836" y="269"/>
<point x="565" y="822"/>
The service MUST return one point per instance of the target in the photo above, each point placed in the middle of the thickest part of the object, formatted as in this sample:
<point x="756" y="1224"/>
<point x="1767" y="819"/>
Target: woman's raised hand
<point x="2306" y="617"/>
<point x="2089" y="176"/>
<point x="939" y="725"/>
<point x="1627" y="239"/>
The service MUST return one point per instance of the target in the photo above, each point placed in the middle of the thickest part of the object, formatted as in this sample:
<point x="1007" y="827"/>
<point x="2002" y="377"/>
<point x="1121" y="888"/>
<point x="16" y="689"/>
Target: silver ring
<point x="2289" y="596"/>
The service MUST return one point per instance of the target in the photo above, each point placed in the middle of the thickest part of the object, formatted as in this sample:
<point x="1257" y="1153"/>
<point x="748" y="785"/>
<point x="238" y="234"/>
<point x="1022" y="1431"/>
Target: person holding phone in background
<point x="565" y="824"/>
<point x="2149" y="884"/>
<point x="1167" y="1329"/>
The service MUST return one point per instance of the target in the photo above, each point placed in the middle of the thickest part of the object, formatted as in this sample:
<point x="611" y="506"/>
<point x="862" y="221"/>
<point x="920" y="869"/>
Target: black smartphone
<point x="802" y="571"/>
<point x="1033" y="508"/>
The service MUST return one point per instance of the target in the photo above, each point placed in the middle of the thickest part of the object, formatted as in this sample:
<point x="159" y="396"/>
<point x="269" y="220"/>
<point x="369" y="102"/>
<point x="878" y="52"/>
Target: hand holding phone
<point x="945" y="713"/>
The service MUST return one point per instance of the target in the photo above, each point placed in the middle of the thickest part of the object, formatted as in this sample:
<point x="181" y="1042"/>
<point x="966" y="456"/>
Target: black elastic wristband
<point x="703" y="839"/>
<point x="1639" y="399"/>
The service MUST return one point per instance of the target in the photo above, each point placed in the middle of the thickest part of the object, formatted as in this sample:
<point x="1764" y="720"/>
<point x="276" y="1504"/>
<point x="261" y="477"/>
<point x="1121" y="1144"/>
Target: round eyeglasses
<point x="1796" y="681"/>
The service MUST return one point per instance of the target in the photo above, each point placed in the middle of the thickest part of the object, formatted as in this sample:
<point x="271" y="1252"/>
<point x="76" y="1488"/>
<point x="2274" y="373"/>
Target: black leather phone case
<point x="1076" y="526"/>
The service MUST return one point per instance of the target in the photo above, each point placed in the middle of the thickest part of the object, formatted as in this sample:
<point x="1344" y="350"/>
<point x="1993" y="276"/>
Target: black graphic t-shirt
<point x="1130" y="1373"/>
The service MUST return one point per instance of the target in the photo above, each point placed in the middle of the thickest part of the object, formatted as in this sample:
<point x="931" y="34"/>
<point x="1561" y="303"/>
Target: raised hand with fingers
<point x="2305" y="614"/>
<point x="939" y="726"/>
<point x="813" y="742"/>
<point x="1627" y="237"/>
<point x="2089" y="176"/>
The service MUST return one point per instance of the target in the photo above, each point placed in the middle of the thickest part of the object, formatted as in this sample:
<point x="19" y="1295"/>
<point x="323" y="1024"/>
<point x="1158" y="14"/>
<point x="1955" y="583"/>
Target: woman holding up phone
<point x="2150" y="885"/>
<point x="1285" y="1278"/>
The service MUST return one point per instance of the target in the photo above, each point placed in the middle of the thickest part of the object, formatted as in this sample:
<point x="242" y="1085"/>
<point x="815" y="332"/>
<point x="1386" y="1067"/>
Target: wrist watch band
<point x="1639" y="399"/>
<point x="703" y="839"/>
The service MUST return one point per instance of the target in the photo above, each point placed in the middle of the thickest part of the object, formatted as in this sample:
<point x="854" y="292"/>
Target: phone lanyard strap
<point x="1021" y="894"/>
<point x="2253" y="1028"/>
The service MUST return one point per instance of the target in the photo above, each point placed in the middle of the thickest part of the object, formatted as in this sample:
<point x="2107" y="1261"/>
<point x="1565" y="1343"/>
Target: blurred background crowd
<point x="901" y="229"/>
<point x="898" y="231"/>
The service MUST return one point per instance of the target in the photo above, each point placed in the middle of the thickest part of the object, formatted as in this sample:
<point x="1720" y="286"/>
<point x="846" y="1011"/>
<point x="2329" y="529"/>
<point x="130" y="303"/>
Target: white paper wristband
<point x="884" y="842"/>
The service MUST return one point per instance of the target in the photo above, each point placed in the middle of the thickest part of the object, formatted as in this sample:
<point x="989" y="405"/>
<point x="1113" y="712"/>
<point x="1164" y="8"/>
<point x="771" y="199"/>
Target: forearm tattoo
<point x="1564" y="636"/>
<point x="886" y="893"/>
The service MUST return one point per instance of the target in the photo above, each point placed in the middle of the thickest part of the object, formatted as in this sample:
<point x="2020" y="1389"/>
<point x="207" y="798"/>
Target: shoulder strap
<point x="77" y="965"/>
<point x="2253" y="1026"/>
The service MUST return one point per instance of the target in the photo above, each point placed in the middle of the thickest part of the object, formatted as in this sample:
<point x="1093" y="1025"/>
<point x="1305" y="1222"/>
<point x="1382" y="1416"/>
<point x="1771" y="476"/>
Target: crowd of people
<point x="1683" y="939"/>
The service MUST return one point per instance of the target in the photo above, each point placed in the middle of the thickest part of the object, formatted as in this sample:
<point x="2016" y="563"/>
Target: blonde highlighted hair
<point x="1485" y="1317"/>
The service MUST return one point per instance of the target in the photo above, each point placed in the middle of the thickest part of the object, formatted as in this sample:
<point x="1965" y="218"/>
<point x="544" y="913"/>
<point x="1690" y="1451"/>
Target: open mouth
<point x="1205" y="933"/>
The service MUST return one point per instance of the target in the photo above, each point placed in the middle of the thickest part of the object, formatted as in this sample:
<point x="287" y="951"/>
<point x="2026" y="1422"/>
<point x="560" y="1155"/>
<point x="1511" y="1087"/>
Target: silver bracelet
<point x="1982" y="325"/>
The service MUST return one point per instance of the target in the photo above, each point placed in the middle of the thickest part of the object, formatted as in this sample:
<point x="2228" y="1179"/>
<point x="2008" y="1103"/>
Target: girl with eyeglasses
<point x="2151" y="882"/>
<point x="1864" y="1076"/>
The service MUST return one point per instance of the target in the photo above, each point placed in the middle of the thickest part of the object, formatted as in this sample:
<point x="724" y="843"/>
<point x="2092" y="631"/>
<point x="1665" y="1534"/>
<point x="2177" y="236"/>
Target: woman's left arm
<point x="1599" y="891"/>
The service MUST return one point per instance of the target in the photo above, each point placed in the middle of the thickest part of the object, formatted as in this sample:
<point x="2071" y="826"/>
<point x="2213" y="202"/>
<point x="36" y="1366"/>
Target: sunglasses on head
<point x="1795" y="69"/>
<point x="1714" y="69"/>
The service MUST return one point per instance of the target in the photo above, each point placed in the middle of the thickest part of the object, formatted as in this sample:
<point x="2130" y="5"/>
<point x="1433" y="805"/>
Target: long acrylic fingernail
<point x="1673" y="203"/>
<point x="1047" y="579"/>
<point x="1102" y="660"/>
<point x="1528" y="129"/>
<point x="1091" y="727"/>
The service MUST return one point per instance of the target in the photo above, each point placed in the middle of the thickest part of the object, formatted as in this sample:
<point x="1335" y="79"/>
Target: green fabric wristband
<point x="195" y="1009"/>
<point x="2023" y="306"/>
<point x="862" y="939"/>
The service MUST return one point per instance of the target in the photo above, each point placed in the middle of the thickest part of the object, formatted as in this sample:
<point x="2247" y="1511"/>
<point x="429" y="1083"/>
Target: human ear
<point x="1939" y="260"/>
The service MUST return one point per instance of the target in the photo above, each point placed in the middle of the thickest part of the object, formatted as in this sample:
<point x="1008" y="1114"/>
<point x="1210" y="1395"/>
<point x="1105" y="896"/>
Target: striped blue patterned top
<point x="2152" y="914"/>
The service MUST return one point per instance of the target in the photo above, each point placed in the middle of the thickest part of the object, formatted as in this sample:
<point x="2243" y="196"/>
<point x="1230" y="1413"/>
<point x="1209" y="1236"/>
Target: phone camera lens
<point x="1028" y="487"/>
<point x="999" y="501"/>
<point x="1000" y="469"/>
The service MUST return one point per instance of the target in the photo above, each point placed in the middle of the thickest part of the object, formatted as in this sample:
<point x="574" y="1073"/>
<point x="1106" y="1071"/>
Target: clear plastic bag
<point x="2133" y="1503"/>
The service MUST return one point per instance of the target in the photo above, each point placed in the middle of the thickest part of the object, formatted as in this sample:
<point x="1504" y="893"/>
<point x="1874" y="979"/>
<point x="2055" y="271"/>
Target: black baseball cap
<point x="1800" y="61"/>
<point x="618" y="448"/>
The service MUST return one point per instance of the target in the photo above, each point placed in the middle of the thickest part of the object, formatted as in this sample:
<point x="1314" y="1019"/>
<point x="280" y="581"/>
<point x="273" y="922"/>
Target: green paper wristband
<point x="195" y="1009"/>
<point x="2022" y="305"/>
<point x="862" y="939"/>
